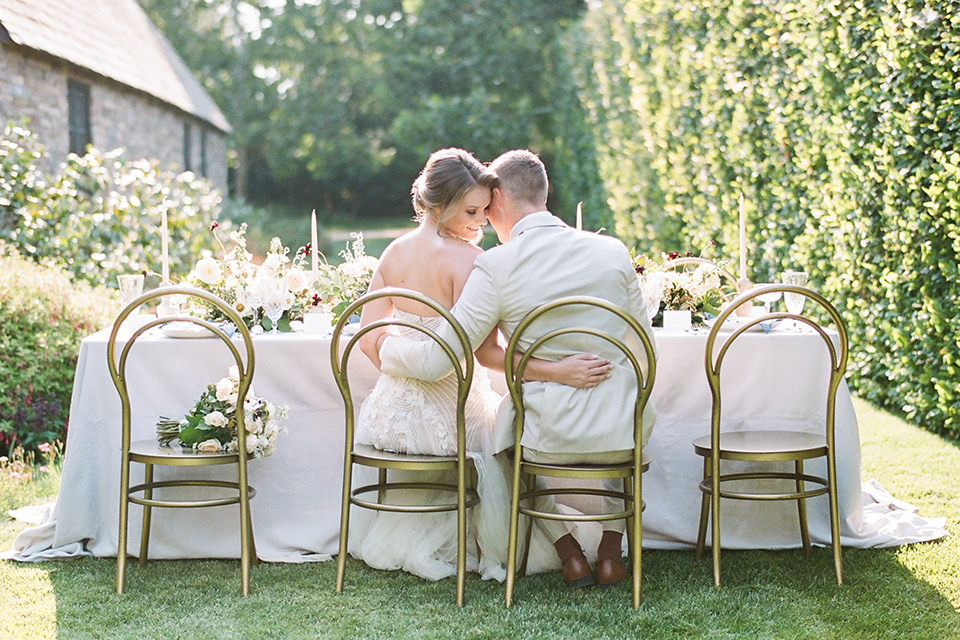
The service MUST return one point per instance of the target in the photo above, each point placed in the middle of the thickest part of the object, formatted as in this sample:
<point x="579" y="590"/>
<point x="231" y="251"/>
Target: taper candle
<point x="314" y="255"/>
<point x="579" y="216"/>
<point x="164" y="257"/>
<point x="743" y="240"/>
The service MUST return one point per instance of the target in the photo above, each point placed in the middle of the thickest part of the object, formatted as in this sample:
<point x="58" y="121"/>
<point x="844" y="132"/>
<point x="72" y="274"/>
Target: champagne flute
<point x="794" y="301"/>
<point x="652" y="289"/>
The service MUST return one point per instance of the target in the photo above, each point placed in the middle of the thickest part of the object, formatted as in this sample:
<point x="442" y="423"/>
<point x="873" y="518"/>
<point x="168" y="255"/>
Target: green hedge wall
<point x="838" y="121"/>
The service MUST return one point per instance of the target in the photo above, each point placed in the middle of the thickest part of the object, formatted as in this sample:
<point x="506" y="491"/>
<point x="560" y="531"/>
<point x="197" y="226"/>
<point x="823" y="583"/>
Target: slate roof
<point x="114" y="39"/>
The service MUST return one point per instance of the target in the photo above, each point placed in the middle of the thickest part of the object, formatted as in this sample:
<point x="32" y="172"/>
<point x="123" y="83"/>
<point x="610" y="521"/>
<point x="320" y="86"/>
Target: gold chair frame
<point x="150" y="453"/>
<point x="629" y="472"/>
<point x="770" y="446"/>
<point x="368" y="456"/>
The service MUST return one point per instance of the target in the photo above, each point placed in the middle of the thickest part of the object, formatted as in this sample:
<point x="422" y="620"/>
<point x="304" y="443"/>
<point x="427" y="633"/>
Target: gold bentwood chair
<point x="630" y="472"/>
<point x="771" y="446"/>
<point x="463" y="489"/>
<point x="150" y="453"/>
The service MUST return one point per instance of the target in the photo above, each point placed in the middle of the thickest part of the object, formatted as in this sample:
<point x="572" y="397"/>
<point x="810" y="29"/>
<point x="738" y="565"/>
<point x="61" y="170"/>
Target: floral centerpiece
<point x="698" y="290"/>
<point x="339" y="286"/>
<point x="241" y="283"/>
<point x="210" y="426"/>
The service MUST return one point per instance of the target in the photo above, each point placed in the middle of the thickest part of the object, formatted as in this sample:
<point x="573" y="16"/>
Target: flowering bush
<point x="698" y="291"/>
<point x="241" y="283"/>
<point x="210" y="426"/>
<point x="339" y="286"/>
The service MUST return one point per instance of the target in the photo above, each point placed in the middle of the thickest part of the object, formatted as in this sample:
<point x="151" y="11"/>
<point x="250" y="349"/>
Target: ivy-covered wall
<point x="838" y="120"/>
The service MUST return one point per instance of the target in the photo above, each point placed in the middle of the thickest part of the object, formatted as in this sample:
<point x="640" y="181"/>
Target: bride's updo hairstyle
<point x="446" y="178"/>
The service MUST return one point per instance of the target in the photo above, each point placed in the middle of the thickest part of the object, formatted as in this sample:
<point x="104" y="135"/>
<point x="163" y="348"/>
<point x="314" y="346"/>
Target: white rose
<point x="215" y="419"/>
<point x="224" y="389"/>
<point x="209" y="446"/>
<point x="370" y="263"/>
<point x="271" y="429"/>
<point x="234" y="373"/>
<point x="266" y="271"/>
<point x="252" y="442"/>
<point x="352" y="269"/>
<point x="296" y="280"/>
<point x="207" y="270"/>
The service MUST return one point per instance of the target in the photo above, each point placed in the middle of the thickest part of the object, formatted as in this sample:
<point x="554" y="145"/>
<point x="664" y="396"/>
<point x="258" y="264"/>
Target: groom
<point x="540" y="260"/>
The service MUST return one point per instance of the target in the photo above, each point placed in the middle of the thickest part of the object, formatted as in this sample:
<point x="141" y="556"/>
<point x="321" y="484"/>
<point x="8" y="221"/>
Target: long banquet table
<point x="775" y="379"/>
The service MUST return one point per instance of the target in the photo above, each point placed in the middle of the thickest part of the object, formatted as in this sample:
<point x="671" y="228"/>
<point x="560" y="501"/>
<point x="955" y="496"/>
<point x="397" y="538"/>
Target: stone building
<point x="98" y="72"/>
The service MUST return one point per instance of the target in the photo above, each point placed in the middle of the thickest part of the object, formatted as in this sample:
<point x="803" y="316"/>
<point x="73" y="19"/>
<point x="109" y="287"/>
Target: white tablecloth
<point x="771" y="380"/>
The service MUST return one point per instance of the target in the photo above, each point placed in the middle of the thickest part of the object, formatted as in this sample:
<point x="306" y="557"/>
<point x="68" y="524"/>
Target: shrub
<point x="100" y="215"/>
<point x="839" y="121"/>
<point x="43" y="316"/>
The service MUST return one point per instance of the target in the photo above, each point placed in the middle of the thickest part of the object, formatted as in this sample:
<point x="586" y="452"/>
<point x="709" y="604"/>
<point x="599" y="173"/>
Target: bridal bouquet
<point x="243" y="284"/>
<point x="339" y="286"/>
<point x="210" y="426"/>
<point x="698" y="290"/>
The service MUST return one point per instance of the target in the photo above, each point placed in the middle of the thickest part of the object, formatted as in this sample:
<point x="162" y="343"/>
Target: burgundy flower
<point x="640" y="269"/>
<point x="214" y="226"/>
<point x="673" y="255"/>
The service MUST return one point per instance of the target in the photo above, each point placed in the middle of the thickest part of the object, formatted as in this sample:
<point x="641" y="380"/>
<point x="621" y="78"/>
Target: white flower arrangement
<point x="210" y="426"/>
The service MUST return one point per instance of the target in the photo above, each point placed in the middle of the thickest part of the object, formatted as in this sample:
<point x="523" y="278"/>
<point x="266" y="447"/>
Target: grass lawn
<point x="906" y="592"/>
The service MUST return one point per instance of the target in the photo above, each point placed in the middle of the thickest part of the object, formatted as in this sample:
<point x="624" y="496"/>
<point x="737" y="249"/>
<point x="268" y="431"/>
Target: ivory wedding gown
<point x="412" y="416"/>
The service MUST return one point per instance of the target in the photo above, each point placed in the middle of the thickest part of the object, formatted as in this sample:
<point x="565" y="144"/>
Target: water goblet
<point x="131" y="288"/>
<point x="275" y="301"/>
<point x="794" y="301"/>
<point x="652" y="290"/>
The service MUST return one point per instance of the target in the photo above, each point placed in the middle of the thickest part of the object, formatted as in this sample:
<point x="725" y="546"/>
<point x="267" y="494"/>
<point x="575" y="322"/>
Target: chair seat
<point x="765" y="445"/>
<point x="371" y="456"/>
<point x="587" y="470"/>
<point x="152" y="452"/>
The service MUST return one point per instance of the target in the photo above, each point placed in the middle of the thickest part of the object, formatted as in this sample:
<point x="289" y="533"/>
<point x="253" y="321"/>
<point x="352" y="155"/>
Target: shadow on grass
<point x="765" y="594"/>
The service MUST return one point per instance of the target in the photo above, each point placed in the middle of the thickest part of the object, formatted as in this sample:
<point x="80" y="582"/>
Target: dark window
<point x="187" y="147"/>
<point x="78" y="116"/>
<point x="203" y="152"/>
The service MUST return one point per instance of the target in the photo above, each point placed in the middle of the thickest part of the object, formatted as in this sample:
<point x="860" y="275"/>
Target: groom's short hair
<point x="523" y="176"/>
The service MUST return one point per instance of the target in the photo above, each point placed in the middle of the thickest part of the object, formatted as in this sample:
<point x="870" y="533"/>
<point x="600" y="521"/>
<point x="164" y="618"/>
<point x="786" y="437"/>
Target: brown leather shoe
<point x="576" y="572"/>
<point x="610" y="571"/>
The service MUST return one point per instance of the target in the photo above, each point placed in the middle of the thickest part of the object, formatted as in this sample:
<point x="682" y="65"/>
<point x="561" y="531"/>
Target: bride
<point x="450" y="198"/>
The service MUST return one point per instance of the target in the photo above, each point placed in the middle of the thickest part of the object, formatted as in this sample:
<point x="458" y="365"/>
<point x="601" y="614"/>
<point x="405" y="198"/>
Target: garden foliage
<point x="43" y="316"/>
<point x="840" y="124"/>
<point x="99" y="216"/>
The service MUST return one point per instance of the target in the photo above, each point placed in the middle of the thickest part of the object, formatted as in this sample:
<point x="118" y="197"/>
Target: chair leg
<point x="344" y="523"/>
<point x="514" y="522"/>
<point x="802" y="509"/>
<point x="147" y="512"/>
<point x="382" y="480"/>
<point x="715" y="519"/>
<point x="124" y="511"/>
<point x="628" y="489"/>
<point x="461" y="532"/>
<point x="528" y="534"/>
<point x="246" y="527"/>
<point x="834" y="518"/>
<point x="704" y="512"/>
<point x="635" y="524"/>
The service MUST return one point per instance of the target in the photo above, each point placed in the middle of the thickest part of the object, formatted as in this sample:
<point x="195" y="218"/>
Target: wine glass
<point x="794" y="301"/>
<point x="768" y="298"/>
<point x="274" y="300"/>
<point x="652" y="289"/>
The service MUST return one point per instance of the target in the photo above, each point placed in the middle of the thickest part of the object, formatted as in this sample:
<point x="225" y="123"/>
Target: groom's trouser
<point x="556" y="529"/>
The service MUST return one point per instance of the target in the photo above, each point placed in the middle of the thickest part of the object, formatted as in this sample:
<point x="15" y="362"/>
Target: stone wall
<point x="36" y="88"/>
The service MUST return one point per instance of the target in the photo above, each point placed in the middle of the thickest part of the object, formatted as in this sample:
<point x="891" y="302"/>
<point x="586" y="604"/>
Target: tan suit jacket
<point x="544" y="260"/>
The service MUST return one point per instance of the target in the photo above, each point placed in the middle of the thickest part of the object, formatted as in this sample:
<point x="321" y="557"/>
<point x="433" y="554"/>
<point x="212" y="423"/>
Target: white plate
<point x="185" y="330"/>
<point x="732" y="324"/>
